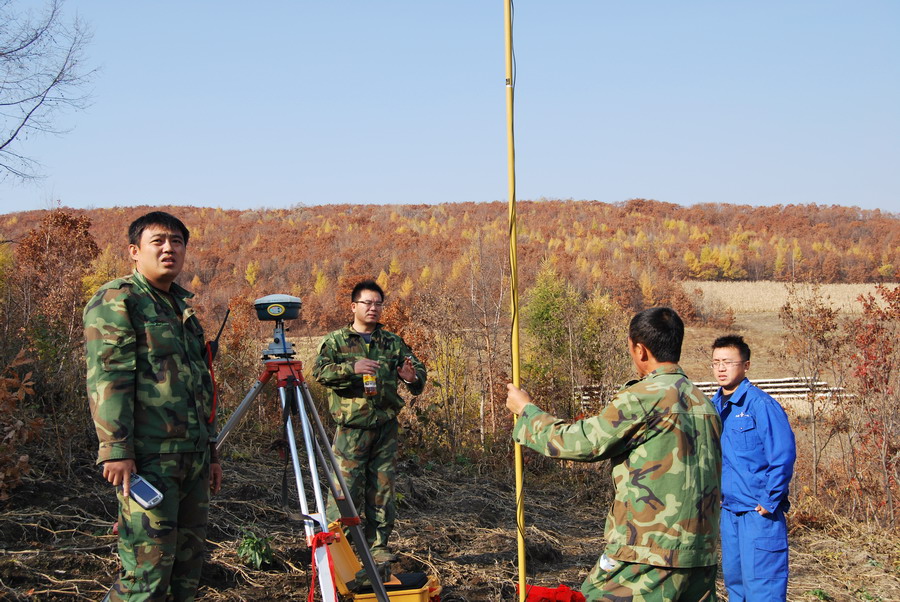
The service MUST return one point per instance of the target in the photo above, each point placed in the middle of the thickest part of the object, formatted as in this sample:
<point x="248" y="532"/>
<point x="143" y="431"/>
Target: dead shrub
<point x="710" y="311"/>
<point x="16" y="426"/>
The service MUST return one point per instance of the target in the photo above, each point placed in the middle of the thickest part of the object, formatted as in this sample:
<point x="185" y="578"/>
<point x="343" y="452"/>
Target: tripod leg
<point x="342" y="497"/>
<point x="239" y="412"/>
<point x="326" y="579"/>
<point x="306" y="432"/>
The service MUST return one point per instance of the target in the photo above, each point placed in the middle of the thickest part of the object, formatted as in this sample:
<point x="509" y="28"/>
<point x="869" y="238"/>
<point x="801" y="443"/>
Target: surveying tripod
<point x="278" y="359"/>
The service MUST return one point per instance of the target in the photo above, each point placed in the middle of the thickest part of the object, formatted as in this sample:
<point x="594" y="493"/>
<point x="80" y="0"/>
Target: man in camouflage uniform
<point x="365" y="443"/>
<point x="662" y="436"/>
<point x="151" y="395"/>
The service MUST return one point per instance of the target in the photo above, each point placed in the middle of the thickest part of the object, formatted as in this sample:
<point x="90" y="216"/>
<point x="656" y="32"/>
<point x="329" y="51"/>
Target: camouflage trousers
<point x="162" y="549"/>
<point x="368" y="462"/>
<point x="631" y="582"/>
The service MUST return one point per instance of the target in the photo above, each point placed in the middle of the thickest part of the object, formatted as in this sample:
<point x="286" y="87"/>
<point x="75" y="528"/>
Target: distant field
<point x="756" y="306"/>
<point x="769" y="296"/>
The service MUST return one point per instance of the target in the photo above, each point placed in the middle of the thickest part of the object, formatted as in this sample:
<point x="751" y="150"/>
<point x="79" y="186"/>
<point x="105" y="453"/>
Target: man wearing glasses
<point x="758" y="453"/>
<point x="362" y="365"/>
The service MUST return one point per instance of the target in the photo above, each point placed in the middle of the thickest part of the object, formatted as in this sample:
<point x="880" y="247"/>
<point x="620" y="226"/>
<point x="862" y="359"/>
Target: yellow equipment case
<point x="403" y="587"/>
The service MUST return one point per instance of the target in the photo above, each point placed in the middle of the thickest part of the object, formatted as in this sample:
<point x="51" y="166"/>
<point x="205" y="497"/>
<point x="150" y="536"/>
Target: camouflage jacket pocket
<point x="161" y="341"/>
<point x="118" y="355"/>
<point x="356" y="412"/>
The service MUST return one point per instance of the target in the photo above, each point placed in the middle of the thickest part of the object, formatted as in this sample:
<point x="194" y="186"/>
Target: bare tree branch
<point x="41" y="73"/>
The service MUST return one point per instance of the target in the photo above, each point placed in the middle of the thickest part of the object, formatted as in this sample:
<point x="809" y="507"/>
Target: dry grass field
<point x="756" y="306"/>
<point x="768" y="296"/>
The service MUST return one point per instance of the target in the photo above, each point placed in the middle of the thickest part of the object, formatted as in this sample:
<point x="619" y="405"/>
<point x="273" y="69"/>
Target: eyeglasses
<point x="726" y="363"/>
<point x="378" y="304"/>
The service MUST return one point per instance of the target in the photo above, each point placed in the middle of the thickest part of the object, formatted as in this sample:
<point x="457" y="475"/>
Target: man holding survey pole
<point x="661" y="435"/>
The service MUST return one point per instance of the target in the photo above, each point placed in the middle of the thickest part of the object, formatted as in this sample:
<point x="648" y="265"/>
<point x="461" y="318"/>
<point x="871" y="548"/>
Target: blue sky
<point x="275" y="103"/>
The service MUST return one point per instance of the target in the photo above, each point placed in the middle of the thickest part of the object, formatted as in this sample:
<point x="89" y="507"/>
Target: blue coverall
<point x="758" y="453"/>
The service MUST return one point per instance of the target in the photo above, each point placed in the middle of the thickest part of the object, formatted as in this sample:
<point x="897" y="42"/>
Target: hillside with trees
<point x="632" y="251"/>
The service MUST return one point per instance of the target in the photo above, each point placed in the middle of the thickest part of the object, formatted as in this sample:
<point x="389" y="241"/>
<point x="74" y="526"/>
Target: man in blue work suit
<point x="758" y="453"/>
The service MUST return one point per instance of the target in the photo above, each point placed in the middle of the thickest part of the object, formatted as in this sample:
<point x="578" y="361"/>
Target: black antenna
<point x="222" y="327"/>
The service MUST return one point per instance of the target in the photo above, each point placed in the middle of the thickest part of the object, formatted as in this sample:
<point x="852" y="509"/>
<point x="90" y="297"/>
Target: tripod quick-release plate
<point x="277" y="307"/>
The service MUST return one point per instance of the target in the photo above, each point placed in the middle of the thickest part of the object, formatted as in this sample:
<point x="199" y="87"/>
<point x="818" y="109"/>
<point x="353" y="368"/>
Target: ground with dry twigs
<point x="456" y="521"/>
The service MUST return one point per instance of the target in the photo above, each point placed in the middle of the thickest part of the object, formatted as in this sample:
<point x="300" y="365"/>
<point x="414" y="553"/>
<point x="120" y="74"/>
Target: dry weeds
<point x="455" y="521"/>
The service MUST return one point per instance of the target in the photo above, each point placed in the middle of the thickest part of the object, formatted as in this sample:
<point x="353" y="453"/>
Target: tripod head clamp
<point x="278" y="308"/>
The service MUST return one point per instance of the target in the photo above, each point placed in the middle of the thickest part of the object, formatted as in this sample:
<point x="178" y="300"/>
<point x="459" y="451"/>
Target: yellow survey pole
<point x="514" y="284"/>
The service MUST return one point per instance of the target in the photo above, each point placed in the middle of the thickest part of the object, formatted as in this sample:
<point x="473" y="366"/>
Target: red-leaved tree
<point x="876" y="370"/>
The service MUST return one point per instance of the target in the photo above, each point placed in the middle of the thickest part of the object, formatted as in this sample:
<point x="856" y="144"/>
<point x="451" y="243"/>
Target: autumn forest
<point x="633" y="251"/>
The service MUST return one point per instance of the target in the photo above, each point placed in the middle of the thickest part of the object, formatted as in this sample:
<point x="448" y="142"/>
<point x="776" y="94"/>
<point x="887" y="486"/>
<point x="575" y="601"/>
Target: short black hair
<point x="736" y="341"/>
<point x="156" y="218"/>
<point x="660" y="330"/>
<point x="365" y="285"/>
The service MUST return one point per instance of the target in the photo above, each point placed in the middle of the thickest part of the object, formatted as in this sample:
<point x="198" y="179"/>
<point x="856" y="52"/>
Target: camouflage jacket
<point x="661" y="435"/>
<point x="149" y="386"/>
<point x="338" y="352"/>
